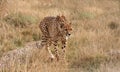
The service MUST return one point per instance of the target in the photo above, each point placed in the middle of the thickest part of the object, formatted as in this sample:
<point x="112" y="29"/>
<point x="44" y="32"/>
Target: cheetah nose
<point x="69" y="34"/>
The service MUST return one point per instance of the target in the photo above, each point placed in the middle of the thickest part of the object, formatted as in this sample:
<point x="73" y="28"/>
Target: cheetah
<point x="54" y="29"/>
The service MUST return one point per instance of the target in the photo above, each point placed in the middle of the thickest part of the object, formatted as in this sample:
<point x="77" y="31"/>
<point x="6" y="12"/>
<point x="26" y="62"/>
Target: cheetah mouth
<point x="67" y="36"/>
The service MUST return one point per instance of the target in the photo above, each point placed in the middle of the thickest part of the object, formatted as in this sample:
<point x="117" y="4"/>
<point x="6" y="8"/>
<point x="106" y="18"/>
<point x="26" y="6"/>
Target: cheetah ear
<point x="61" y="25"/>
<point x="58" y="18"/>
<point x="63" y="17"/>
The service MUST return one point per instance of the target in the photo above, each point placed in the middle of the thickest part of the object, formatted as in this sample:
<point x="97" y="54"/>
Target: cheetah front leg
<point x="63" y="49"/>
<point x="51" y="54"/>
<point x="56" y="51"/>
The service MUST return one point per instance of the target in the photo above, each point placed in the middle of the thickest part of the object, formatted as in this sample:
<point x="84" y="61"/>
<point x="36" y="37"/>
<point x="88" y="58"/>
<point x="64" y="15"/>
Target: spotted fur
<point x="54" y="29"/>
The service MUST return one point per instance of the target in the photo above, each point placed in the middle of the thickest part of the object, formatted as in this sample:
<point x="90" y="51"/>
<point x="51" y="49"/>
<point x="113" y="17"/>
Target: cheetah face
<point x="68" y="30"/>
<point x="65" y="26"/>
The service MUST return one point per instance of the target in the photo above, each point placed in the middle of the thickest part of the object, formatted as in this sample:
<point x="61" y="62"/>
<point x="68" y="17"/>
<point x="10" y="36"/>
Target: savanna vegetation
<point x="94" y="45"/>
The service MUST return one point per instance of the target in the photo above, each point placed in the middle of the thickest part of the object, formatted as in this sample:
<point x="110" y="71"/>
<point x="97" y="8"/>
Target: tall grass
<point x="93" y="46"/>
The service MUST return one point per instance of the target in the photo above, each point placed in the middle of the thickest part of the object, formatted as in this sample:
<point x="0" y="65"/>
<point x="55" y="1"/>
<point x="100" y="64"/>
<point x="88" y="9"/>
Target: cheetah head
<point x="65" y="26"/>
<point x="68" y="30"/>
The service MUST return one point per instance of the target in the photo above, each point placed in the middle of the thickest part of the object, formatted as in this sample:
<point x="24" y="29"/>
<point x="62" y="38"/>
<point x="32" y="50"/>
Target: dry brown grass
<point x="93" y="47"/>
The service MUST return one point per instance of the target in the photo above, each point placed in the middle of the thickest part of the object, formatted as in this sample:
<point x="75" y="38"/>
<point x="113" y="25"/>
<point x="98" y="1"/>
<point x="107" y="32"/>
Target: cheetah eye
<point x="61" y="25"/>
<point x="62" y="21"/>
<point x="65" y="29"/>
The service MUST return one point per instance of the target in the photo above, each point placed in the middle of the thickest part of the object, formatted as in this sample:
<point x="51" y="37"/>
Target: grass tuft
<point x="20" y="19"/>
<point x="87" y="15"/>
<point x="18" y="42"/>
